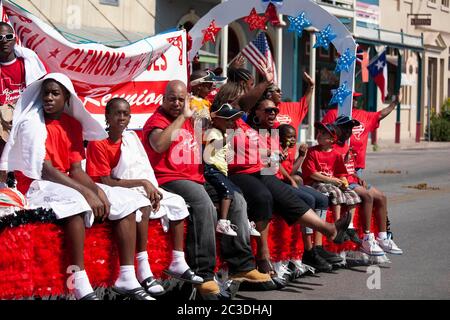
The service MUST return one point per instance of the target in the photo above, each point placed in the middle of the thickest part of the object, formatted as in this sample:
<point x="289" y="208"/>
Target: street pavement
<point x="420" y="220"/>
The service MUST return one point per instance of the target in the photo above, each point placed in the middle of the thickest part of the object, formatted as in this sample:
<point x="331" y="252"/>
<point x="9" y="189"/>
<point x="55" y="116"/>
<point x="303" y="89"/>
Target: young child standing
<point x="324" y="170"/>
<point x="216" y="168"/>
<point x="120" y="160"/>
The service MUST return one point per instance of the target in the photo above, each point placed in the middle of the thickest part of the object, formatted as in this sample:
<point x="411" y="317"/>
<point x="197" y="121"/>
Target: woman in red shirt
<point x="263" y="190"/>
<point x="264" y="117"/>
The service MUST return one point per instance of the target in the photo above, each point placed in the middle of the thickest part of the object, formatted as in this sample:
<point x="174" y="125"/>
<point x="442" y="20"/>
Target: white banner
<point x="138" y="72"/>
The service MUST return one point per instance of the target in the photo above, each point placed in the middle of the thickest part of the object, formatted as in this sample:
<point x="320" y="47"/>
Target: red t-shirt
<point x="329" y="163"/>
<point x="246" y="144"/>
<point x="64" y="146"/>
<point x="12" y="81"/>
<point x="183" y="159"/>
<point x="369" y="122"/>
<point x="102" y="157"/>
<point x="292" y="113"/>
<point x="349" y="161"/>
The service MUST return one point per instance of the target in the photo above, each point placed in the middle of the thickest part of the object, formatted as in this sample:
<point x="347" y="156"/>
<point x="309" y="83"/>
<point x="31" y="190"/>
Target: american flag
<point x="258" y="53"/>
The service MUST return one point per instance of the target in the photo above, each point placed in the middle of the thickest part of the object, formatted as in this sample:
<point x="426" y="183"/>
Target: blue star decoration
<point x="345" y="61"/>
<point x="340" y="94"/>
<point x="324" y="37"/>
<point x="298" y="24"/>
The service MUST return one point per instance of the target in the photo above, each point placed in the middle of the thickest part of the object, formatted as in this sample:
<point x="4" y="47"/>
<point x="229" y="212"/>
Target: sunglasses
<point x="7" y="37"/>
<point x="270" y="110"/>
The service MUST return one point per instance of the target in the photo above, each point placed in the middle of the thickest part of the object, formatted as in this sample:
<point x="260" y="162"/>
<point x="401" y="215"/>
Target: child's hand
<point x="188" y="110"/>
<point x="344" y="183"/>
<point x="302" y="149"/>
<point x="337" y="182"/>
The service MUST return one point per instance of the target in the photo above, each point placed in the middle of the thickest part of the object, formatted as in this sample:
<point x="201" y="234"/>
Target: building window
<point x="445" y="3"/>
<point x="110" y="2"/>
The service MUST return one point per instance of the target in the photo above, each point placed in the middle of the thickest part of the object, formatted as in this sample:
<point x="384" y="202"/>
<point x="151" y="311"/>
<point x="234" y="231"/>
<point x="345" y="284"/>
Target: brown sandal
<point x="265" y="266"/>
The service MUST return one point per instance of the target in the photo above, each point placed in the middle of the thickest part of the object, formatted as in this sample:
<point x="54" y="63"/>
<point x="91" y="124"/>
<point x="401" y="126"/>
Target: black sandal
<point x="89" y="296"/>
<point x="134" y="294"/>
<point x="149" y="283"/>
<point x="187" y="276"/>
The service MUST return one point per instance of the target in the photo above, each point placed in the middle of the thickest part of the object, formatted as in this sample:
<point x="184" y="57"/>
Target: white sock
<point x="223" y="220"/>
<point x="351" y="226"/>
<point x="143" y="268"/>
<point x="178" y="264"/>
<point x="82" y="286"/>
<point x="382" y="235"/>
<point x="127" y="278"/>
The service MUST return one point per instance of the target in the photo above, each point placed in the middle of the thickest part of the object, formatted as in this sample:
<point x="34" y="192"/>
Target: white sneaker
<point x="252" y="228"/>
<point x="389" y="246"/>
<point x="225" y="227"/>
<point x="370" y="246"/>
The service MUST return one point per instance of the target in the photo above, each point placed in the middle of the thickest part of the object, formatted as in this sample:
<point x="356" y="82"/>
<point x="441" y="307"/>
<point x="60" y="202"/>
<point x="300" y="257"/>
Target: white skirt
<point x="66" y="202"/>
<point x="171" y="206"/>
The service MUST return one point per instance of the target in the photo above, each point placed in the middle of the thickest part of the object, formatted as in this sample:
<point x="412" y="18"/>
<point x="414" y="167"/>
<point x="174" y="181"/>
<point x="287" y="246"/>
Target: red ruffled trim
<point x="32" y="259"/>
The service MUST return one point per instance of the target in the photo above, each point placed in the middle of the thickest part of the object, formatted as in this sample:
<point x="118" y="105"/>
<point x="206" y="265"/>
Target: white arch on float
<point x="232" y="10"/>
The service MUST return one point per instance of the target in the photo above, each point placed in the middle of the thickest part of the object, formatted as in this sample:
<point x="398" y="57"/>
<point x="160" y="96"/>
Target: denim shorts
<point x="224" y="187"/>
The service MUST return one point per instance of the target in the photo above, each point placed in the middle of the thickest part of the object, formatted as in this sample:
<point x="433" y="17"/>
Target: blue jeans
<point x="201" y="234"/>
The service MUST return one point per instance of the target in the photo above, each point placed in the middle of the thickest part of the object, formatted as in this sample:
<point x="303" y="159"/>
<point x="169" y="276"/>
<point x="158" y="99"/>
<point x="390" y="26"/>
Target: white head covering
<point x="25" y="150"/>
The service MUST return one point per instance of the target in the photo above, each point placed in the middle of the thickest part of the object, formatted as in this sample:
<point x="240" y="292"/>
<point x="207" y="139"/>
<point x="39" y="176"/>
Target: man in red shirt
<point x="291" y="113"/>
<point x="369" y="121"/>
<point x="175" y="155"/>
<point x="14" y="77"/>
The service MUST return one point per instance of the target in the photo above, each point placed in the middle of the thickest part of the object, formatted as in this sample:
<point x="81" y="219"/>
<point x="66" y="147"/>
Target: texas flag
<point x="378" y="71"/>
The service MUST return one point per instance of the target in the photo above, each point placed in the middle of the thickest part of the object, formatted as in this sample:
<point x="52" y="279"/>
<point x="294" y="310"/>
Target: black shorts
<point x="263" y="193"/>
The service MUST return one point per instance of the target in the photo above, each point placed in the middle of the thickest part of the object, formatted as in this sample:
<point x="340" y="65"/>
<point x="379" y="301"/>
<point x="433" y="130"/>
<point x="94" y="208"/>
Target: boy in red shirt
<point x="121" y="161"/>
<point x="325" y="171"/>
<point x="370" y="196"/>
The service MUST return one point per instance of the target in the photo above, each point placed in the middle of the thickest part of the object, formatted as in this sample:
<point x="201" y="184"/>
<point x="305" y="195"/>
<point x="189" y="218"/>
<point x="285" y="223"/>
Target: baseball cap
<point x="330" y="128"/>
<point x="343" y="120"/>
<point x="225" y="111"/>
<point x="209" y="77"/>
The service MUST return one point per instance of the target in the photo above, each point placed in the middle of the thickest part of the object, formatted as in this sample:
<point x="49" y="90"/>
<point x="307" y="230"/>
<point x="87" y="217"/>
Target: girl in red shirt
<point x="46" y="150"/>
<point x="103" y="159"/>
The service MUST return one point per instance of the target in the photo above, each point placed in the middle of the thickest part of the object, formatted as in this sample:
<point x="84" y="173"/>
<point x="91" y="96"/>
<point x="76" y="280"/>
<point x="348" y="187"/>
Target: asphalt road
<point x="421" y="224"/>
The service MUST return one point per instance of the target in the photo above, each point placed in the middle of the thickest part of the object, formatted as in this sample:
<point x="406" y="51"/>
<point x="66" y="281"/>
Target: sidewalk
<point x="406" y="145"/>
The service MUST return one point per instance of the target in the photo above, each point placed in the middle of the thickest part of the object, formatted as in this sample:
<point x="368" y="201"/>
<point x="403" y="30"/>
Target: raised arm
<point x="310" y="89"/>
<point x="160" y="140"/>
<point x="247" y="101"/>
<point x="386" y="111"/>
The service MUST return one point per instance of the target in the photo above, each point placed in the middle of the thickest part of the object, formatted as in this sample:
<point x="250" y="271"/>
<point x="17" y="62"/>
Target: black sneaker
<point x="353" y="236"/>
<point x="330" y="257"/>
<point x="313" y="259"/>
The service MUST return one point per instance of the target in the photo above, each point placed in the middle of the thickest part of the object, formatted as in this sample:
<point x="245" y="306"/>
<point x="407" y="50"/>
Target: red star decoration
<point x="272" y="15"/>
<point x="255" y="21"/>
<point x="209" y="34"/>
<point x="177" y="42"/>
<point x="54" y="53"/>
